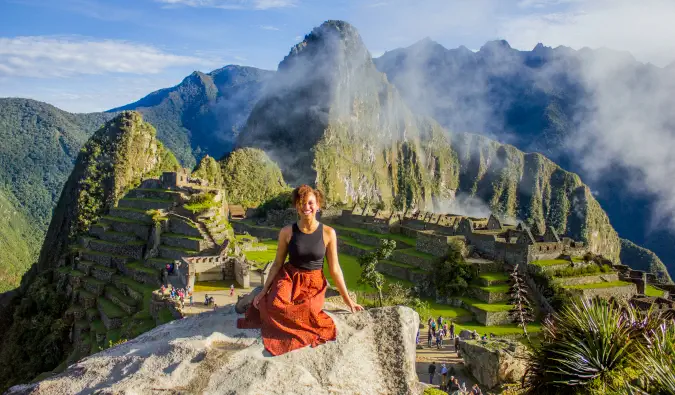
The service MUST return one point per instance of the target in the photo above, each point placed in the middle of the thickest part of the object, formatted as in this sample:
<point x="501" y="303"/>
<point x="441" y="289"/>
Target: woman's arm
<point x="336" y="271"/>
<point x="282" y="251"/>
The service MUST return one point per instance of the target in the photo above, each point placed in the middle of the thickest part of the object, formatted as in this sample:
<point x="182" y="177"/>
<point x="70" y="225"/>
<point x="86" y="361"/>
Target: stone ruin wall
<point x="160" y="302"/>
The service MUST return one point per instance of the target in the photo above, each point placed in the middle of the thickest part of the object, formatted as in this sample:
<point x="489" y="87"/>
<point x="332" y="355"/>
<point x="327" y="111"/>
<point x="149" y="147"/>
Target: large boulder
<point x="494" y="362"/>
<point x="374" y="354"/>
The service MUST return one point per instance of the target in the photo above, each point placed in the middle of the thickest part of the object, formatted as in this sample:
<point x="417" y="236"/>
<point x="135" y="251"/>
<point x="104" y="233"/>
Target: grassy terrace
<point x="213" y="286"/>
<point x="125" y="220"/>
<point x="392" y="236"/>
<point x="550" y="262"/>
<point x="139" y="267"/>
<point x="144" y="289"/>
<point x="183" y="250"/>
<point x="610" y="284"/>
<point x="495" y="276"/>
<point x="134" y="209"/>
<point x="508" y="329"/>
<point x="92" y="252"/>
<point x="262" y="257"/>
<point x="405" y="266"/>
<point x="148" y="200"/>
<point x="491" y="307"/>
<point x="252" y="224"/>
<point x="350" y="241"/>
<point x="158" y="190"/>
<point x="112" y="243"/>
<point x="120" y="296"/>
<point x="414" y="252"/>
<point x="71" y="271"/>
<point x="110" y="309"/>
<point x="179" y="236"/>
<point x="653" y="291"/>
<point x="500" y="289"/>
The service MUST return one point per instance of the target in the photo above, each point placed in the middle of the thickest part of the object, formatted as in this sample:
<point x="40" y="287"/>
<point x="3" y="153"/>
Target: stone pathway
<point x="446" y="354"/>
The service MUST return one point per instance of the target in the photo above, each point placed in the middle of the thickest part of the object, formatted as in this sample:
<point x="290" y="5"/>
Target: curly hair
<point x="301" y="194"/>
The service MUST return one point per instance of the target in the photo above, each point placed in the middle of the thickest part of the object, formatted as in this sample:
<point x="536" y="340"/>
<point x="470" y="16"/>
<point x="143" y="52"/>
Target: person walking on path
<point x="452" y="330"/>
<point x="440" y="322"/>
<point x="232" y="290"/>
<point x="444" y="375"/>
<point x="432" y="371"/>
<point x="445" y="329"/>
<point x="439" y="339"/>
<point x="430" y="336"/>
<point x="289" y="308"/>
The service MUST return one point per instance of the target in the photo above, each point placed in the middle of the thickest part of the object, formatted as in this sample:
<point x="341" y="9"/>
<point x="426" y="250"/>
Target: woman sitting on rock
<point x="289" y="309"/>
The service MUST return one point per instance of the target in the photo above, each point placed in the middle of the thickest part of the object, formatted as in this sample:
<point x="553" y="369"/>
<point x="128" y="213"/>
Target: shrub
<point x="201" y="202"/>
<point x="582" y="271"/>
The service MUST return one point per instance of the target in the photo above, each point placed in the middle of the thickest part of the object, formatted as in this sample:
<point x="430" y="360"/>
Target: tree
<point x="452" y="276"/>
<point x="368" y="262"/>
<point x="521" y="313"/>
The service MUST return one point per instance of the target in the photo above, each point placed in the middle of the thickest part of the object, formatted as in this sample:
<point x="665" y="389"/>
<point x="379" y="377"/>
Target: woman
<point x="289" y="309"/>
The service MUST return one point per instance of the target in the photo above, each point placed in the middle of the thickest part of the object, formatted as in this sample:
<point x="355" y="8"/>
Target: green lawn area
<point x="262" y="257"/>
<point x="351" y="271"/>
<point x="111" y="309"/>
<point x="598" y="285"/>
<point x="653" y="291"/>
<point x="212" y="286"/>
<point x="392" y="236"/>
<point x="495" y="276"/>
<point x="504" y="288"/>
<point x="508" y="329"/>
<point x="493" y="307"/>
<point x="180" y="236"/>
<point x="445" y="311"/>
<point x="550" y="262"/>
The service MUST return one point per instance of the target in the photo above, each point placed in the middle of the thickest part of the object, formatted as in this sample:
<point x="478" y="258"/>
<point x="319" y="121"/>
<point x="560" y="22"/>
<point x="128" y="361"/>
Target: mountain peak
<point x="333" y="40"/>
<point x="495" y="45"/>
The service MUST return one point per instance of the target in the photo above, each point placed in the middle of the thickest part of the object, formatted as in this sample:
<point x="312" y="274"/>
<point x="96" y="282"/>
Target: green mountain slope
<point x="204" y="113"/>
<point x="18" y="242"/>
<point x="640" y="258"/>
<point x="331" y="118"/>
<point x="115" y="159"/>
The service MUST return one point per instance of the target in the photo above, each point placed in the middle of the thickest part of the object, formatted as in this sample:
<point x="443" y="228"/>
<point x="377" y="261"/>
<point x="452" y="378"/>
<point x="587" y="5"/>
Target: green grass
<point x="148" y="200"/>
<point x="653" y="291"/>
<point x="598" y="285"/>
<point x="351" y="271"/>
<point x="500" y="289"/>
<point x="97" y="327"/>
<point x="163" y="260"/>
<point x="550" y="262"/>
<point x="491" y="307"/>
<point x="392" y="236"/>
<point x="120" y="296"/>
<point x="183" y="250"/>
<point x="83" y="293"/>
<point x="158" y="190"/>
<point x="499" y="330"/>
<point x="134" y="209"/>
<point x="144" y="289"/>
<point x="252" y="224"/>
<point x="93" y="280"/>
<point x="125" y="220"/>
<point x="350" y="241"/>
<point x="104" y="268"/>
<point x="445" y="311"/>
<point x="212" y="286"/>
<point x="263" y="257"/>
<point x="99" y="253"/>
<point x="112" y="335"/>
<point x="495" y="276"/>
<point x="110" y="309"/>
<point x="112" y="243"/>
<point x="179" y="236"/>
<point x="139" y="267"/>
<point x="420" y="254"/>
<point x="164" y="316"/>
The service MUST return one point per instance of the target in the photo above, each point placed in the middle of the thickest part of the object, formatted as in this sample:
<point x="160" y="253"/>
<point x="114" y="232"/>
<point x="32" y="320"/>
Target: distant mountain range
<point x="497" y="91"/>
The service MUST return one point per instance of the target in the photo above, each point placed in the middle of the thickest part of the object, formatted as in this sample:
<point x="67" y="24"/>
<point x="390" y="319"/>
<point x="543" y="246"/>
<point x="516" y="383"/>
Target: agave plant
<point x="657" y="358"/>
<point x="595" y="347"/>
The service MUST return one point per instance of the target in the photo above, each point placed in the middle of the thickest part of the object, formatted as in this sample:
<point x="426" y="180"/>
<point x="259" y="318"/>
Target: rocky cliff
<point x="374" y="354"/>
<point x="330" y="117"/>
<point x="643" y="259"/>
<point x="112" y="162"/>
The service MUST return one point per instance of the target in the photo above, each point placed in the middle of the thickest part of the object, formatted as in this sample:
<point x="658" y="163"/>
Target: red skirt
<point x="291" y="315"/>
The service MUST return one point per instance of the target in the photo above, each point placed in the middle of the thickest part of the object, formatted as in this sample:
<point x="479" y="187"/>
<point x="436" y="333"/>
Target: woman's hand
<point x="260" y="296"/>
<point x="353" y="306"/>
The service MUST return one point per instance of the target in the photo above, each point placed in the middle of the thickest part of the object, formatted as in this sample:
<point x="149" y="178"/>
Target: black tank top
<point x="306" y="251"/>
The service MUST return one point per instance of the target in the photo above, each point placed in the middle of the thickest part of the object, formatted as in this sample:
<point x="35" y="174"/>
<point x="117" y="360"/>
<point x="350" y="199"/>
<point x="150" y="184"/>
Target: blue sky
<point x="92" y="55"/>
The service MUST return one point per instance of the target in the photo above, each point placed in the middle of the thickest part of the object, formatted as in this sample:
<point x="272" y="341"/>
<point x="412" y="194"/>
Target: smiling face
<point x="307" y="207"/>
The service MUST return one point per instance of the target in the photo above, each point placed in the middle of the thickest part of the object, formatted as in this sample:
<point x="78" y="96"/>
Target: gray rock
<point x="494" y="362"/>
<point x="465" y="334"/>
<point x="374" y="354"/>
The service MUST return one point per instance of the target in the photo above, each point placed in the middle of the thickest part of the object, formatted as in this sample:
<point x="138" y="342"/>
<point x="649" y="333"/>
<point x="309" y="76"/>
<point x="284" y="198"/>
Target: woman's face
<point x="309" y="208"/>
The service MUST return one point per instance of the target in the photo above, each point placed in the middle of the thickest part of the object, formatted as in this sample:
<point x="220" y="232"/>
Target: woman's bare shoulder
<point x="327" y="230"/>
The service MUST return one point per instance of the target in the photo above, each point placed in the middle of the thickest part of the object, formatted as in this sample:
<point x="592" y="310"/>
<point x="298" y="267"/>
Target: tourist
<point x="206" y="299"/>
<point x="457" y="345"/>
<point x="445" y="329"/>
<point x="162" y="289"/>
<point x="454" y="385"/>
<point x="439" y="339"/>
<point x="463" y="387"/>
<point x="440" y="322"/>
<point x="474" y="335"/>
<point x="232" y="290"/>
<point x="417" y="338"/>
<point x="430" y="335"/>
<point x="432" y="370"/>
<point x="191" y="299"/>
<point x="452" y="330"/>
<point x="289" y="309"/>
<point x="475" y="390"/>
<point x="444" y="375"/>
<point x="484" y="337"/>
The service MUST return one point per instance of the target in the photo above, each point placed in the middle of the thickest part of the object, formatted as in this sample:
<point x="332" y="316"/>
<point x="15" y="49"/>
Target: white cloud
<point x="269" y="27"/>
<point x="233" y="4"/>
<point x="643" y="28"/>
<point x="44" y="57"/>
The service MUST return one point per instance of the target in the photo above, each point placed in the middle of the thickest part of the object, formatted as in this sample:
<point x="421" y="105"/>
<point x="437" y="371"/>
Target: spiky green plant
<point x="657" y="358"/>
<point x="592" y="347"/>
